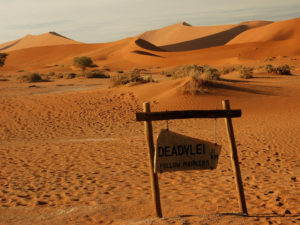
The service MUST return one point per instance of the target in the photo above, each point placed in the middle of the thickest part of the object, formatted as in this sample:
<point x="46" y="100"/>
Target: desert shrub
<point x="96" y="74"/>
<point x="228" y="69"/>
<point x="51" y="74"/>
<point x="83" y="62"/>
<point x="210" y="73"/>
<point x="60" y="75"/>
<point x="119" y="80"/>
<point x="270" y="58"/>
<point x="70" y="75"/>
<point x="2" y="59"/>
<point x="246" y="72"/>
<point x="188" y="70"/>
<point x="31" y="77"/>
<point x="283" y="70"/>
<point x="150" y="79"/>
<point x="131" y="78"/>
<point x="270" y="68"/>
<point x="120" y="71"/>
<point x="195" y="86"/>
<point x="205" y="72"/>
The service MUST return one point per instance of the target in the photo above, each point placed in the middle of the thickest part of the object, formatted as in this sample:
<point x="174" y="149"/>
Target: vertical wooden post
<point x="153" y="176"/>
<point x="235" y="160"/>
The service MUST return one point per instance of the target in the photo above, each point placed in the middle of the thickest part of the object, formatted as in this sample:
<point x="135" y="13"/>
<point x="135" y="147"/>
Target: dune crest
<point x="29" y="41"/>
<point x="184" y="37"/>
<point x="277" y="31"/>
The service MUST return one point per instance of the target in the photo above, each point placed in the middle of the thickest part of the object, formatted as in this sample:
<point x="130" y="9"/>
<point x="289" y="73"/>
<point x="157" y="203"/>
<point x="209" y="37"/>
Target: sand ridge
<point x="29" y="41"/>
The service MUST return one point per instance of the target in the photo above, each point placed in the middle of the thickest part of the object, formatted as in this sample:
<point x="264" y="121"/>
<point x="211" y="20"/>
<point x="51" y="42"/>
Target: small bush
<point x="82" y="62"/>
<point x="270" y="68"/>
<point x="283" y="70"/>
<point x="96" y="74"/>
<point x="51" y="74"/>
<point x="270" y="58"/>
<point x="188" y="70"/>
<point x="60" y="75"/>
<point x="210" y="73"/>
<point x="228" y="69"/>
<point x="195" y="86"/>
<point x="30" y="78"/>
<point x="131" y="78"/>
<point x="246" y="72"/>
<point x="70" y="75"/>
<point x="2" y="59"/>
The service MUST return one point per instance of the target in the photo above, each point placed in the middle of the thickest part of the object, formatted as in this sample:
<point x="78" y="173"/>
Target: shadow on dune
<point x="147" y="45"/>
<point x="206" y="42"/>
<point x="229" y="85"/>
<point x="9" y="46"/>
<point x="146" y="53"/>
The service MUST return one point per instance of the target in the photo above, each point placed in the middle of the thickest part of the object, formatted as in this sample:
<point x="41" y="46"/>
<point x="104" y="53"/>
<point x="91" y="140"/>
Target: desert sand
<point x="72" y="153"/>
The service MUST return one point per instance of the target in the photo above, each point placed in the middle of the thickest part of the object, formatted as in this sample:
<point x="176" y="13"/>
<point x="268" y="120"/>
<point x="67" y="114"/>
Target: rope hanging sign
<point x="175" y="152"/>
<point x="178" y="152"/>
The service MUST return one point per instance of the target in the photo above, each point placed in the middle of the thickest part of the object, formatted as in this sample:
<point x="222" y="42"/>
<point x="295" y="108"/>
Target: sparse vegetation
<point x="83" y="62"/>
<point x="33" y="77"/>
<point x="246" y="72"/>
<point x="270" y="58"/>
<point x="70" y="75"/>
<point x="281" y="70"/>
<point x="205" y="72"/>
<point x="228" y="69"/>
<point x="2" y="59"/>
<point x="195" y="86"/>
<point x="132" y="78"/>
<point x="210" y="73"/>
<point x="96" y="74"/>
<point x="59" y="75"/>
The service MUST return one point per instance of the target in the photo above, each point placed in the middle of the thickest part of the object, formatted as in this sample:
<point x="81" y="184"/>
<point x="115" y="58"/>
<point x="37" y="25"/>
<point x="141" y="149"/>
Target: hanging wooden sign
<point x="175" y="152"/>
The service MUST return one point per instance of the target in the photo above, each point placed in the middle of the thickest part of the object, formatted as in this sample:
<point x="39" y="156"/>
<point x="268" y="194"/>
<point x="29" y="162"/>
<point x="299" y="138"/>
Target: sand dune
<point x="205" y="45"/>
<point x="184" y="37"/>
<point x="282" y="30"/>
<point x="29" y="41"/>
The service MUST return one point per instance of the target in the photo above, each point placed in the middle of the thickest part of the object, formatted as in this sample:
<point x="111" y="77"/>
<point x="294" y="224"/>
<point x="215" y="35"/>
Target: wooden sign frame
<point x="147" y="116"/>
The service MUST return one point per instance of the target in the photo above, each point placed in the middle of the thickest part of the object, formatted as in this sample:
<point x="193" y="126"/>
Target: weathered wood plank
<point x="186" y="114"/>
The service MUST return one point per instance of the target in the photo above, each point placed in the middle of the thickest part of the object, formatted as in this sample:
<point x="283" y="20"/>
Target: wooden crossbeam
<point x="186" y="114"/>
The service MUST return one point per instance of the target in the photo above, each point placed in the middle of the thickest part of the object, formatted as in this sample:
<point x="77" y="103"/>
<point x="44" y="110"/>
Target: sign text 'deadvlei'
<point x="176" y="152"/>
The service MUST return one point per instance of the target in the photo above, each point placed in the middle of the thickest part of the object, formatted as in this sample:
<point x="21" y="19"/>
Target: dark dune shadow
<point x="9" y="46"/>
<point x="206" y="42"/>
<point x="146" y="53"/>
<point x="147" y="45"/>
<point x="229" y="85"/>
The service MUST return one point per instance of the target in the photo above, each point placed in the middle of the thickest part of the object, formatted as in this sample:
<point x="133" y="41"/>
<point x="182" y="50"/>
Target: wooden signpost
<point x="178" y="152"/>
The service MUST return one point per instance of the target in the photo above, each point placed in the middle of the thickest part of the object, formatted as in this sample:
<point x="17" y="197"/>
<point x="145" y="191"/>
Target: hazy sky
<point x="109" y="20"/>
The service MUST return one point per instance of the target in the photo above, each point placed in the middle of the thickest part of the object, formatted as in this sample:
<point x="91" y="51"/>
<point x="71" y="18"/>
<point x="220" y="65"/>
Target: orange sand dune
<point x="277" y="31"/>
<point x="137" y="52"/>
<point x="183" y="37"/>
<point x="46" y="39"/>
<point x="126" y="54"/>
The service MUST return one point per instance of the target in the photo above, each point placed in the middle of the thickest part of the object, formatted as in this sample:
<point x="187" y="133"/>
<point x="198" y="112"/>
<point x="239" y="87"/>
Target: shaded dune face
<point x="147" y="45"/>
<point x="213" y="40"/>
